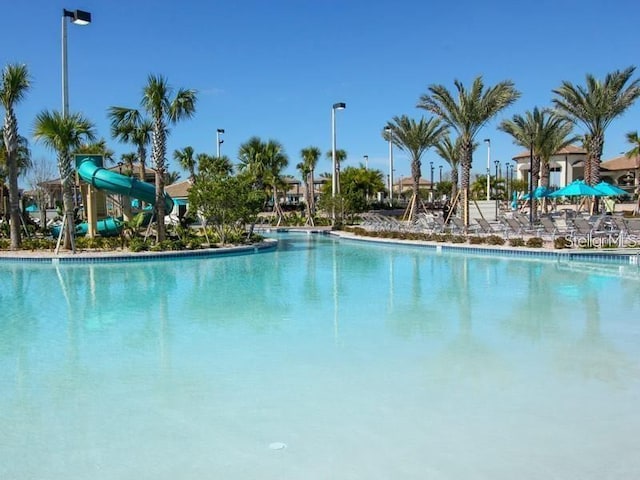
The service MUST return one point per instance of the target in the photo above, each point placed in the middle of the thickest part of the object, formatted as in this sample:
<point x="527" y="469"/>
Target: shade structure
<point x="610" y="190"/>
<point x="578" y="188"/>
<point x="540" y="192"/>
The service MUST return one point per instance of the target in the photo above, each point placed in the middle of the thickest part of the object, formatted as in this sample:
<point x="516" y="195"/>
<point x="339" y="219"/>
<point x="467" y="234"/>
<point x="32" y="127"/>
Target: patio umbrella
<point x="540" y="192"/>
<point x="610" y="190"/>
<point x="578" y="188"/>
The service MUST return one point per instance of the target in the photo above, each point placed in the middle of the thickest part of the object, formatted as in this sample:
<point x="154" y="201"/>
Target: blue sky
<point x="274" y="69"/>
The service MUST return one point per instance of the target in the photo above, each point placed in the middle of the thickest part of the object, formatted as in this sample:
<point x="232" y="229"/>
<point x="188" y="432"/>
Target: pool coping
<point x="88" y="256"/>
<point x="627" y="256"/>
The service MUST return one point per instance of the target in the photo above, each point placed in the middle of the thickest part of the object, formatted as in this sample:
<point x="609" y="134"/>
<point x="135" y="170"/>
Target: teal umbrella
<point x="578" y="188"/>
<point x="610" y="190"/>
<point x="540" y="192"/>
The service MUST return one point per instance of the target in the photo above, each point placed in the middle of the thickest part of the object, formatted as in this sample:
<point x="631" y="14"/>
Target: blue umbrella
<point x="540" y="192"/>
<point x="577" y="188"/>
<point x="610" y="190"/>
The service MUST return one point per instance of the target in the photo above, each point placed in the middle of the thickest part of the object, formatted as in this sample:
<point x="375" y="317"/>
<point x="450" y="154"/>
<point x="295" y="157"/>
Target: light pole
<point x="440" y="177"/>
<point x="488" y="142"/>
<point x="389" y="133"/>
<point x="431" y="181"/>
<point x="531" y="183"/>
<point x="495" y="186"/>
<point x="219" y="141"/>
<point x="366" y="162"/>
<point x="79" y="17"/>
<point x="334" y="164"/>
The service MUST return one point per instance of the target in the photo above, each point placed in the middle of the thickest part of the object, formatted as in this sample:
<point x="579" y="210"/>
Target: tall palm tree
<point x="163" y="108"/>
<point x="466" y="115"/>
<point x="310" y="156"/>
<point x="595" y="107"/>
<point x="14" y="84"/>
<point x="187" y="160"/>
<point x="414" y="138"/>
<point x="543" y="133"/>
<point x="305" y="171"/>
<point x="449" y="151"/>
<point x="64" y="134"/>
<point x="252" y="162"/>
<point x="128" y="125"/>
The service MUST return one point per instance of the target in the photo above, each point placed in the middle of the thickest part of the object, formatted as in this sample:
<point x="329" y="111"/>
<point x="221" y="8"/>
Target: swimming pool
<point x="323" y="359"/>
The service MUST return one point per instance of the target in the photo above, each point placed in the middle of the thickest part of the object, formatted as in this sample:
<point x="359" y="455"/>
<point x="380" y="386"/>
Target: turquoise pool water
<point x="325" y="359"/>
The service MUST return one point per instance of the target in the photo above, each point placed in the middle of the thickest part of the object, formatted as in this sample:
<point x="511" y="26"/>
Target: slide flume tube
<point x="104" y="179"/>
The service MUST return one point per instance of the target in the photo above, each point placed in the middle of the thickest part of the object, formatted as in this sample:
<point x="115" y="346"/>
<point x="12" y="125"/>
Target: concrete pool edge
<point x="609" y="256"/>
<point x="88" y="256"/>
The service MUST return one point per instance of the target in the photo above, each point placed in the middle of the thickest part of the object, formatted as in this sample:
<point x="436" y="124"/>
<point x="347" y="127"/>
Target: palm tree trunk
<point x="67" y="178"/>
<point x="467" y="155"/>
<point x="544" y="181"/>
<point x="158" y="155"/>
<point x="415" y="177"/>
<point x="454" y="182"/>
<point x="10" y="133"/>
<point x="312" y="194"/>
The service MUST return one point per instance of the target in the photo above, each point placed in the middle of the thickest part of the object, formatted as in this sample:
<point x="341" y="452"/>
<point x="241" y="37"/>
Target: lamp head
<point x="220" y="130"/>
<point x="339" y="106"/>
<point x="487" y="140"/>
<point x="79" y="17"/>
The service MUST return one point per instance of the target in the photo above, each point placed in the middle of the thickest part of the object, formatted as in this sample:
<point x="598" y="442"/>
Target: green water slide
<point x="91" y="171"/>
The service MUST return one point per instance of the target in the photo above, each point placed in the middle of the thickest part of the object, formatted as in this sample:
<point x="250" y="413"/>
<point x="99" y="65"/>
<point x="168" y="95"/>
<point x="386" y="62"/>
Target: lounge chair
<point x="486" y="228"/>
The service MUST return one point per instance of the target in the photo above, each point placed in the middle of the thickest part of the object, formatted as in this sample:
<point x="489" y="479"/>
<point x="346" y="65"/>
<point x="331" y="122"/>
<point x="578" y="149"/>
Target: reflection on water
<point x="359" y="357"/>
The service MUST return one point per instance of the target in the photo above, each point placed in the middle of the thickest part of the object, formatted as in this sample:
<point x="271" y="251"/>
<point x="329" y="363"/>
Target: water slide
<point x="93" y="173"/>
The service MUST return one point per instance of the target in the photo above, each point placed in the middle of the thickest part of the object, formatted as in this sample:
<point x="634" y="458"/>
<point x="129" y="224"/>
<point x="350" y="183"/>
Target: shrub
<point x="516" y="242"/>
<point x="560" y="243"/>
<point x="535" y="242"/>
<point x="495" y="240"/>
<point x="138" y="245"/>
<point x="4" y="244"/>
<point x="475" y="240"/>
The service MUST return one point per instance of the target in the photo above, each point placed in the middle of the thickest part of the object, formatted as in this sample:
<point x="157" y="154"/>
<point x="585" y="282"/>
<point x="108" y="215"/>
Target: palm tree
<point x="634" y="139"/>
<point x="466" y="116"/>
<point x="187" y="160"/>
<point x="543" y="133"/>
<point x="341" y="156"/>
<point x="127" y="161"/>
<point x="595" y="107"/>
<point x="310" y="157"/>
<point x="64" y="134"/>
<point x="164" y="109"/>
<point x="97" y="148"/>
<point x="14" y="84"/>
<point x="305" y="171"/>
<point x="216" y="165"/>
<point x="450" y="152"/>
<point x="276" y="160"/>
<point x="263" y="163"/>
<point x="414" y="138"/>
<point x="129" y="126"/>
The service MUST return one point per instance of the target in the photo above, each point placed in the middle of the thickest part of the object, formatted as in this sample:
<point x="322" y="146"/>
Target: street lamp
<point x="79" y="17"/>
<point x="366" y="162"/>
<point x="389" y="133"/>
<point x="488" y="142"/>
<point x="335" y="188"/>
<point x="219" y="141"/>
<point x="440" y="177"/>
<point x="431" y="186"/>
